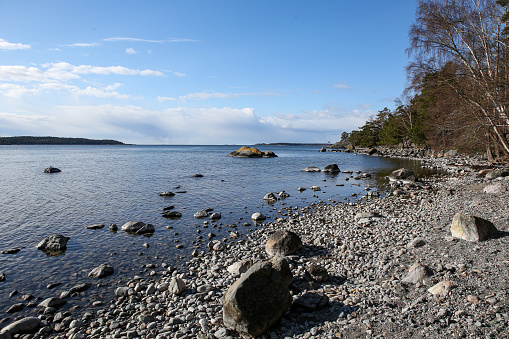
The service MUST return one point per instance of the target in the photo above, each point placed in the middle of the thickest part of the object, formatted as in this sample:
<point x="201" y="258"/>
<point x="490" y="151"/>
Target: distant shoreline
<point x="293" y="144"/>
<point x="29" y="140"/>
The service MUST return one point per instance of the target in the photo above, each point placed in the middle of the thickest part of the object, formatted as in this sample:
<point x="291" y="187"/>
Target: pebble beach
<point x="366" y="248"/>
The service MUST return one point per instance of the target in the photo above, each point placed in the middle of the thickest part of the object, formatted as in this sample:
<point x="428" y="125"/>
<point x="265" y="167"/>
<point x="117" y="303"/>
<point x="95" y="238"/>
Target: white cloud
<point x="342" y="86"/>
<point x="182" y="125"/>
<point x="130" y="51"/>
<point x="163" y="99"/>
<point x="180" y="75"/>
<point x="5" y="45"/>
<point x="63" y="71"/>
<point x="15" y="91"/>
<point x="218" y="95"/>
<point x="84" y="44"/>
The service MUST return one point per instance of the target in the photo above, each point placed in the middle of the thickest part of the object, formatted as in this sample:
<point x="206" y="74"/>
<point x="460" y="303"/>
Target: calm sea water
<point x="116" y="184"/>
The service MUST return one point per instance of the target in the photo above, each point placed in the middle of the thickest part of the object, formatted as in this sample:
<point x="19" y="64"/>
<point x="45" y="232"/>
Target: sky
<point x="200" y="71"/>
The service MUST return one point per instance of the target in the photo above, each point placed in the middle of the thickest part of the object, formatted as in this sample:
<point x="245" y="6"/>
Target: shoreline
<point x="366" y="258"/>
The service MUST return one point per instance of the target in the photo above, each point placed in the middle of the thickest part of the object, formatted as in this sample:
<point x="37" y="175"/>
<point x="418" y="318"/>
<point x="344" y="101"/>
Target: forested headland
<point x="29" y="140"/>
<point x="458" y="89"/>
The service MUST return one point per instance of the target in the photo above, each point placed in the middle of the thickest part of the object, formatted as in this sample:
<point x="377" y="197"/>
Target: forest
<point x="458" y="82"/>
<point x="29" y="140"/>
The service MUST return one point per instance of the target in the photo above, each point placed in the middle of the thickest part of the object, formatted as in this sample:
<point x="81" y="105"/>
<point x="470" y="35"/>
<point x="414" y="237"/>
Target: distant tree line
<point x="458" y="93"/>
<point x="29" y="140"/>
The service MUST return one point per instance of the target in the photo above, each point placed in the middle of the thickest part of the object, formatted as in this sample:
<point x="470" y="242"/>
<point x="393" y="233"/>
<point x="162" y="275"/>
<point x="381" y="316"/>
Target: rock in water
<point x="256" y="301"/>
<point x="95" y="227"/>
<point x="258" y="217"/>
<point x="283" y="243"/>
<point x="251" y="152"/>
<point x="402" y="174"/>
<point x="311" y="169"/>
<point x="101" y="271"/>
<point x="52" y="170"/>
<point x="53" y="243"/>
<point x="331" y="168"/>
<point x="270" y="197"/>
<point x="471" y="228"/>
<point x="132" y="226"/>
<point x="201" y="214"/>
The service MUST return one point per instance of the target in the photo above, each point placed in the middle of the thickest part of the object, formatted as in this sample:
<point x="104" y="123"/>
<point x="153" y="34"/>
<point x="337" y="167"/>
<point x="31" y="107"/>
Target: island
<point x="30" y="140"/>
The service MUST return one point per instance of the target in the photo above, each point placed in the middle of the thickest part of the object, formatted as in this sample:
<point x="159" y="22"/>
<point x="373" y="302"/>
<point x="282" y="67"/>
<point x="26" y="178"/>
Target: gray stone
<point x="311" y="169"/>
<point x="177" y="286"/>
<point x="132" y="226"/>
<point x="318" y="273"/>
<point x="52" y="302"/>
<point x="11" y="251"/>
<point x="16" y="308"/>
<point x="495" y="188"/>
<point x="416" y="274"/>
<point x="25" y="325"/>
<point x="270" y="197"/>
<point x="256" y="301"/>
<point x="311" y="301"/>
<point x="53" y="243"/>
<point x="201" y="214"/>
<point x="283" y="243"/>
<point x="101" y="271"/>
<point x="146" y="229"/>
<point x="95" y="227"/>
<point x="331" y="168"/>
<point x="240" y="267"/>
<point x="258" y="217"/>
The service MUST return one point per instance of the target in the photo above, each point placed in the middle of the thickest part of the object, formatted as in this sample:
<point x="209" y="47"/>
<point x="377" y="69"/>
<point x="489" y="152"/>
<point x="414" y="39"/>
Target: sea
<point x="116" y="184"/>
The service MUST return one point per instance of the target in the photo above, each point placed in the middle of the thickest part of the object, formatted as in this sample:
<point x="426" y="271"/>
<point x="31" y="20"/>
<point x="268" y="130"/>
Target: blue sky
<point x="199" y="71"/>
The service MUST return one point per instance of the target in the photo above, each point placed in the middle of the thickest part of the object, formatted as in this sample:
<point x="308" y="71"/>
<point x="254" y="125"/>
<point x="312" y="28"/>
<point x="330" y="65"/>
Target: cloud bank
<point x="133" y="124"/>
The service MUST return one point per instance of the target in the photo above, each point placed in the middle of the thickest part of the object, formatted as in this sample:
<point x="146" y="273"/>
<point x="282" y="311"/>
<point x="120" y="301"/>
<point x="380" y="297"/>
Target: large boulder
<point x="251" y="152"/>
<point x="25" y="325"/>
<point x="54" y="243"/>
<point x="402" y="174"/>
<point x="471" y="228"/>
<point x="256" y="301"/>
<point x="283" y="243"/>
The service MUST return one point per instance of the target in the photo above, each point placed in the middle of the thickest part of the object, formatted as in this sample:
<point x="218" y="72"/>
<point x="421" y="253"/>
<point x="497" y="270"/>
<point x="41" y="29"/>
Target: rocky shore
<point x="374" y="267"/>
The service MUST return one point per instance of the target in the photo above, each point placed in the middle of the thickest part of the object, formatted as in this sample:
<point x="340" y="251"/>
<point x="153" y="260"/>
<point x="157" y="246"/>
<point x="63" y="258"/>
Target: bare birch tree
<point x="469" y="33"/>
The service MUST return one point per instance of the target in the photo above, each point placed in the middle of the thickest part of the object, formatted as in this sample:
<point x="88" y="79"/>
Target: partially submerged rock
<point x="311" y="169"/>
<point x="102" y="271"/>
<point x="95" y="227"/>
<point x="471" y="228"/>
<point x="404" y="175"/>
<point x="52" y="169"/>
<point x="256" y="301"/>
<point x="251" y="152"/>
<point x="53" y="244"/>
<point x="137" y="227"/>
<point x="334" y="168"/>
<point x="258" y="217"/>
